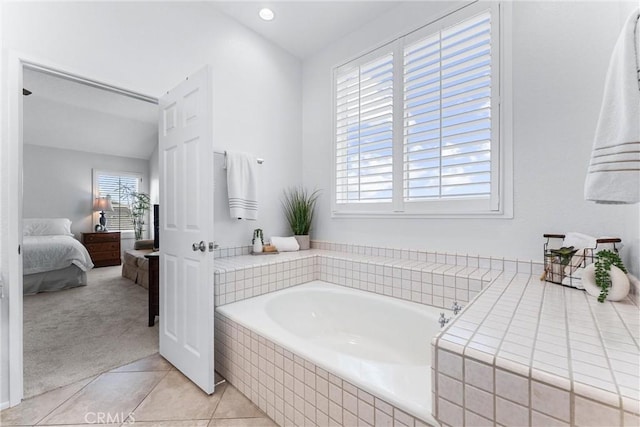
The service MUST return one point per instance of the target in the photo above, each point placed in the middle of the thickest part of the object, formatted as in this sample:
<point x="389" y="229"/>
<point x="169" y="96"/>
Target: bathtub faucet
<point x="456" y="307"/>
<point x="443" y="320"/>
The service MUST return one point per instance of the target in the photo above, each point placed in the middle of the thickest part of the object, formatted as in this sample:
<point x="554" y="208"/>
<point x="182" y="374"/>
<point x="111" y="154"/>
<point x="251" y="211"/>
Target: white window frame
<point x="500" y="205"/>
<point x="124" y="234"/>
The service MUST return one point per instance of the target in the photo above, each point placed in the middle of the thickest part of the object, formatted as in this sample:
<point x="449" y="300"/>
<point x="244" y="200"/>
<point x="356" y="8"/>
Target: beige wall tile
<point x="450" y="389"/>
<point x="511" y="414"/>
<point x="478" y="401"/>
<point x="542" y="420"/>
<point x="382" y="419"/>
<point x="589" y="413"/>
<point x="512" y="387"/>
<point x="475" y="420"/>
<point x="450" y="364"/>
<point x="449" y="413"/>
<point x="631" y="420"/>
<point x="551" y="401"/>
<point x="478" y="375"/>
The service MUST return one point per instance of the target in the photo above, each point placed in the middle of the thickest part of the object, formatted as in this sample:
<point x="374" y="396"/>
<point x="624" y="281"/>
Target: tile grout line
<point x="493" y="364"/>
<point x="608" y="359"/>
<point x="626" y="327"/>
<point x="533" y="347"/>
<point x="65" y="400"/>
<point x="146" y="395"/>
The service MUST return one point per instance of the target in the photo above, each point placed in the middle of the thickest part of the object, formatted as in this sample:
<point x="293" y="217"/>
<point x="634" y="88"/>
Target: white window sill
<point x="421" y="215"/>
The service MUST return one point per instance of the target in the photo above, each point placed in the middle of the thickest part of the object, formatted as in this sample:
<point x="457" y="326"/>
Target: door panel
<point x="186" y="217"/>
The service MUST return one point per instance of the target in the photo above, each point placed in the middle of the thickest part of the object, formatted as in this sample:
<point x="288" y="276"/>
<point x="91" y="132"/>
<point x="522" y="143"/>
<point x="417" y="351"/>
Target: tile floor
<point x="148" y="392"/>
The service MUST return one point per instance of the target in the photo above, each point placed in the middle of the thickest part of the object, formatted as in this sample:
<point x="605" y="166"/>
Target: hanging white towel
<point x="614" y="171"/>
<point x="242" y="183"/>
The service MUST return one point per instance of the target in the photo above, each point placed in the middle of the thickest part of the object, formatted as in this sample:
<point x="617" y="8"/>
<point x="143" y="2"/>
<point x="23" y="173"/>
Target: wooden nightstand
<point x="103" y="247"/>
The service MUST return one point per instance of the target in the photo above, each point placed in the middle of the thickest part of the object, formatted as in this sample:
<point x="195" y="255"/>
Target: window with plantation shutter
<point x="447" y="113"/>
<point x="364" y="145"/>
<point x="417" y="122"/>
<point x="114" y="185"/>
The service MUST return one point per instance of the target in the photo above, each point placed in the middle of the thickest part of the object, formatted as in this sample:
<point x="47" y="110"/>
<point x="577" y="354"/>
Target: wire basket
<point x="564" y="266"/>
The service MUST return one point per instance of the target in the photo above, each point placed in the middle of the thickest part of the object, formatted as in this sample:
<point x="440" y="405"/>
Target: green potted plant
<point x="139" y="204"/>
<point x="258" y="240"/>
<point x="606" y="278"/>
<point x="299" y="206"/>
<point x="605" y="261"/>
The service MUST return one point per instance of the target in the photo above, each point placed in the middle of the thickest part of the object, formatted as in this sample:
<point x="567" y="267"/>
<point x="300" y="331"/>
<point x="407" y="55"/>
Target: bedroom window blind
<point x="112" y="185"/>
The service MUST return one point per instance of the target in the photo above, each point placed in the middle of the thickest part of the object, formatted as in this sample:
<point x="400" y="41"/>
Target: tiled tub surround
<point x="432" y="278"/>
<point x="476" y="349"/>
<point x="294" y="391"/>
<point x="535" y="353"/>
<point x="377" y="343"/>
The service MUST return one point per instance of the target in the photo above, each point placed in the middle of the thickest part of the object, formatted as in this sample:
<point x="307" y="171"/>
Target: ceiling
<point x="64" y="114"/>
<point x="303" y="28"/>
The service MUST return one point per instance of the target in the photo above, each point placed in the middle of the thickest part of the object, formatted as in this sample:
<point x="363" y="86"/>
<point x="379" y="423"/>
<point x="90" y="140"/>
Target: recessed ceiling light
<point x="266" y="14"/>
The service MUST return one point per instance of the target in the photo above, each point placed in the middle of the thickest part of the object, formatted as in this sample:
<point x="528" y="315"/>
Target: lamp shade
<point x="102" y="204"/>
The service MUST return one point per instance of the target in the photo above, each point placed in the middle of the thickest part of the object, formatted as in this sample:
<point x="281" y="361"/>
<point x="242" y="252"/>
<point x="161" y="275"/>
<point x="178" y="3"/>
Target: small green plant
<point x="604" y="260"/>
<point x="299" y="206"/>
<point x="257" y="234"/>
<point x="565" y="254"/>
<point x="138" y="203"/>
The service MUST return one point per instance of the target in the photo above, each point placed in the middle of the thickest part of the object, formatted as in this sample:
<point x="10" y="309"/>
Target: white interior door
<point x="186" y="219"/>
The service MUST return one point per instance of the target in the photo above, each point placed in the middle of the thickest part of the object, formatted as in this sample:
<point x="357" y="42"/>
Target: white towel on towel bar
<point x="614" y="171"/>
<point x="242" y="184"/>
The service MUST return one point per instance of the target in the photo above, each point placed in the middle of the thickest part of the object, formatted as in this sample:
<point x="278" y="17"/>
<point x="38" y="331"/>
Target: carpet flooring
<point x="81" y="332"/>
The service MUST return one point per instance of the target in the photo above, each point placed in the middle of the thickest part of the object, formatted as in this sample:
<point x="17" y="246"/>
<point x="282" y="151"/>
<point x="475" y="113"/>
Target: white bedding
<point x="47" y="253"/>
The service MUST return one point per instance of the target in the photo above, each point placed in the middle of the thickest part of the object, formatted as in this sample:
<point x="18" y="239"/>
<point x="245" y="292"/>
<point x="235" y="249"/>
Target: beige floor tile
<point x="234" y="405"/>
<point x="188" y="423"/>
<point x="32" y="410"/>
<point x="177" y="398"/>
<point x="242" y="422"/>
<point x="80" y="425"/>
<point x="113" y="394"/>
<point x="154" y="362"/>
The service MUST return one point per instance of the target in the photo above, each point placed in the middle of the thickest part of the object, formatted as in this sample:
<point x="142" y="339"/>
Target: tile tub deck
<point x="527" y="352"/>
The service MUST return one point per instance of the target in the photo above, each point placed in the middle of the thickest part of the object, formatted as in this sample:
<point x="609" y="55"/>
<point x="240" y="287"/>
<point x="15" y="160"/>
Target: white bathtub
<point x="378" y="343"/>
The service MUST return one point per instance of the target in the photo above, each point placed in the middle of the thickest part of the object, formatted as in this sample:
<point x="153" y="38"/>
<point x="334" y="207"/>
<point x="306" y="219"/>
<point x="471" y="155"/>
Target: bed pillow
<point x="46" y="227"/>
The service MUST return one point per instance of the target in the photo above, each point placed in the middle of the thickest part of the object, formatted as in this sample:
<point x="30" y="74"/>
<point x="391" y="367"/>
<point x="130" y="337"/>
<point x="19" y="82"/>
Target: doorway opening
<point x="81" y="315"/>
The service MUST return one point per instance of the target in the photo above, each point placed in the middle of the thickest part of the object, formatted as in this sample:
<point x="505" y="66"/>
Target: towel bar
<point x="259" y="160"/>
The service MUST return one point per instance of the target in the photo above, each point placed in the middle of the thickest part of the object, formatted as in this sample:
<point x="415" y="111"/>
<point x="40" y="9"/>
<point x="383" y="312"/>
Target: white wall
<point x="154" y="176"/>
<point x="150" y="47"/>
<point x="58" y="183"/>
<point x="560" y="56"/>
<point x="4" y="302"/>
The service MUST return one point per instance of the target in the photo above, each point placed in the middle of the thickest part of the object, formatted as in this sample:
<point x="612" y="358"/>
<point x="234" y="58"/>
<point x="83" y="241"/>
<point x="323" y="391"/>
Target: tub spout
<point x="456" y="307"/>
<point x="443" y="320"/>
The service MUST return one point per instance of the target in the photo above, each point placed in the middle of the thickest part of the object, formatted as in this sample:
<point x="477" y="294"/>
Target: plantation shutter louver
<point x="364" y="140"/>
<point x="447" y="113"/>
<point x="111" y="186"/>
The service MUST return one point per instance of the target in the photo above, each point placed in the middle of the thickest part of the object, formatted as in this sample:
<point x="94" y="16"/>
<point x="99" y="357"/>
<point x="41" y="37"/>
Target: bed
<point x="52" y="258"/>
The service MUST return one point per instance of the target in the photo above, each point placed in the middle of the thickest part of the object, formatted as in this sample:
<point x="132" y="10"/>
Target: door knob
<point x="199" y="246"/>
